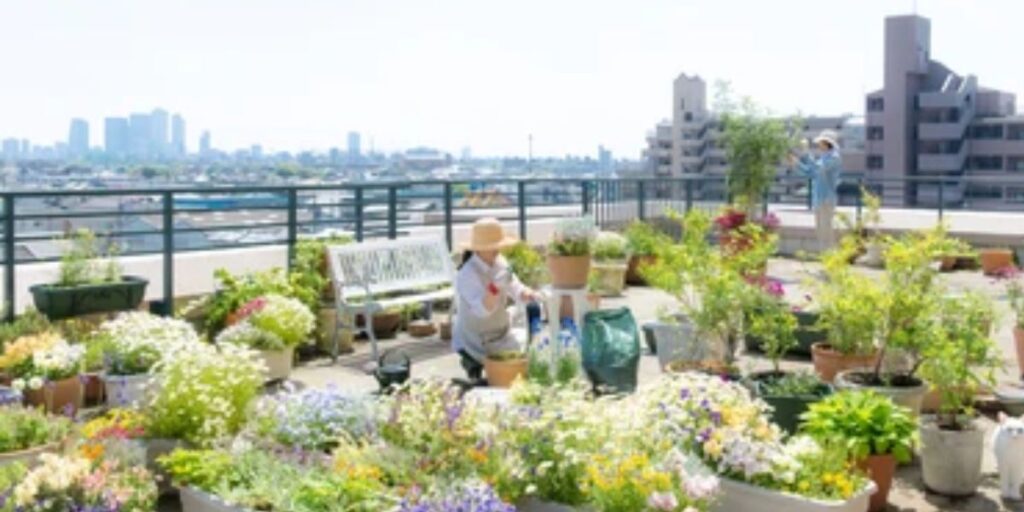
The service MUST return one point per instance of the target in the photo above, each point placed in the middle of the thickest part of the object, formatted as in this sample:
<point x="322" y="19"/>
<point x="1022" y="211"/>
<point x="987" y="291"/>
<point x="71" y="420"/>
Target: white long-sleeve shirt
<point x="478" y="330"/>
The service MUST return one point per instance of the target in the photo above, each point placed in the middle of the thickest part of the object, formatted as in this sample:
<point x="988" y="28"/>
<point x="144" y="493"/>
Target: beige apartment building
<point x="927" y="127"/>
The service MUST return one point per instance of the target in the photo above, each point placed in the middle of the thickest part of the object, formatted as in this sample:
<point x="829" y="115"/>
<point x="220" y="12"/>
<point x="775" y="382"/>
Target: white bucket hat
<point x="829" y="136"/>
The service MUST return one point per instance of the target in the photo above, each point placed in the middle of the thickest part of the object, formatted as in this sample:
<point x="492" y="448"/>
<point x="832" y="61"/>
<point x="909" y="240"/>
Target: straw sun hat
<point x="828" y="136"/>
<point x="488" y="235"/>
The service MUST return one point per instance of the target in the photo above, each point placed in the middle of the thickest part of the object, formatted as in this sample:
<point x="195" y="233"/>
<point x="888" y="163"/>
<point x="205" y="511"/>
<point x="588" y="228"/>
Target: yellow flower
<point x="22" y="348"/>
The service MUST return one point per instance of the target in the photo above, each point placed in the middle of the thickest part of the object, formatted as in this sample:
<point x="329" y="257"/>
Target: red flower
<point x="249" y="308"/>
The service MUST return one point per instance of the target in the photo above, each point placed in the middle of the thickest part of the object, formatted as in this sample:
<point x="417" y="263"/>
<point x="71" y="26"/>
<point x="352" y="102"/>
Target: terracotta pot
<point x="828" y="362"/>
<point x="385" y="323"/>
<point x="994" y="260"/>
<point x="633" y="277"/>
<point x="569" y="271"/>
<point x="93" y="388"/>
<point x="501" y="374"/>
<point x="947" y="263"/>
<point x="881" y="469"/>
<point x="421" y="328"/>
<point x="58" y="396"/>
<point x="1018" y="339"/>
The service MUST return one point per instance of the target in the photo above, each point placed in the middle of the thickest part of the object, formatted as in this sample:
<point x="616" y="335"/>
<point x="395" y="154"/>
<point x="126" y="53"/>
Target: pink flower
<point x="662" y="501"/>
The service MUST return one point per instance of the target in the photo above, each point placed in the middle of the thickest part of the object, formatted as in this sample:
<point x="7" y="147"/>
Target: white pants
<point x="826" y="234"/>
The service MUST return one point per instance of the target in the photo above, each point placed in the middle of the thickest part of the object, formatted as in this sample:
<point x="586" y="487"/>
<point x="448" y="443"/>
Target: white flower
<point x="35" y="383"/>
<point x="18" y="384"/>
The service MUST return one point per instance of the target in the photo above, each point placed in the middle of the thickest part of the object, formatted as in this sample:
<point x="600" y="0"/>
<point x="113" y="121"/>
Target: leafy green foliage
<point x="234" y="291"/>
<point x="527" y="264"/>
<point x="29" y="322"/>
<point x="794" y="384"/>
<point x="82" y="262"/>
<point x="22" y="428"/>
<point x="773" y="323"/>
<point x="850" y="305"/>
<point x="573" y="237"/>
<point x="644" y="239"/>
<point x="609" y="246"/>
<point x="865" y="422"/>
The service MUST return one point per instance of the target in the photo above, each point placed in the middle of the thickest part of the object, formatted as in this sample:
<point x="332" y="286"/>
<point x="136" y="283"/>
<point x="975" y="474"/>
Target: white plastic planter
<point x="740" y="497"/>
<point x="126" y="390"/>
<point x="194" y="500"/>
<point x="278" y="363"/>
<point x="29" y="456"/>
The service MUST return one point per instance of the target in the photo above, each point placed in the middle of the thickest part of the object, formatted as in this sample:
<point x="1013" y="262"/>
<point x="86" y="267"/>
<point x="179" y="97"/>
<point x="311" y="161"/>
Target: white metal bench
<point x="371" y="277"/>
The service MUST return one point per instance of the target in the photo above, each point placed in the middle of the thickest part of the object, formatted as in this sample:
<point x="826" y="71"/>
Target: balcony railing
<point x="175" y="221"/>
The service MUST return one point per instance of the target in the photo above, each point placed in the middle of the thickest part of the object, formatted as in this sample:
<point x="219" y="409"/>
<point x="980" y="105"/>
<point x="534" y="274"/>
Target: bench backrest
<point x="389" y="266"/>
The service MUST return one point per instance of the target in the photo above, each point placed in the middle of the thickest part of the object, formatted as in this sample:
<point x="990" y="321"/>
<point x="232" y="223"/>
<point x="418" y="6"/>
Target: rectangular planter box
<point x="60" y="302"/>
<point x="740" y="497"/>
<point x="194" y="500"/>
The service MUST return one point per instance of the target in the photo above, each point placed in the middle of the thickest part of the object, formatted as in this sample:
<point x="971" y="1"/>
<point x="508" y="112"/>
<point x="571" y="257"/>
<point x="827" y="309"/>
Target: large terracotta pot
<point x="93" y="388"/>
<point x="828" y="362"/>
<point x="994" y="260"/>
<point x="569" y="271"/>
<point x="58" y="397"/>
<point x="633" y="277"/>
<point x="881" y="469"/>
<point x="1018" y="339"/>
<point x="501" y="374"/>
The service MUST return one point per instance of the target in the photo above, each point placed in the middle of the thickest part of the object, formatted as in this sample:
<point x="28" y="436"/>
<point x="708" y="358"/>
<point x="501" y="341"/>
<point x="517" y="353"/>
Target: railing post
<point x="9" y="306"/>
<point x="293" y="217"/>
<point x="392" y="212"/>
<point x="521" y="185"/>
<point x="168" y="249"/>
<point x="585" y="196"/>
<point x="448" y="215"/>
<point x="689" y="194"/>
<point x="942" y="201"/>
<point x="860" y="198"/>
<point x="640" y="199"/>
<point x="359" y="213"/>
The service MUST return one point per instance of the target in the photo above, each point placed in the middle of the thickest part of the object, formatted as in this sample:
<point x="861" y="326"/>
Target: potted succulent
<point x="132" y="344"/>
<point x="274" y="326"/>
<point x="611" y="254"/>
<point x="644" y="240"/>
<point x="25" y="433"/>
<point x="878" y="434"/>
<point x="504" y="368"/>
<point x="1015" y="294"/>
<point x="569" y="252"/>
<point x="46" y="368"/>
<point x="88" y="282"/>
<point x="849" y="311"/>
<point x="959" y="361"/>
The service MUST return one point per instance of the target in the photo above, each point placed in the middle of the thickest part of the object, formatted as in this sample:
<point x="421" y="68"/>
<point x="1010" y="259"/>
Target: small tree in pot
<point x="877" y="433"/>
<point x="962" y="359"/>
<point x="644" y="240"/>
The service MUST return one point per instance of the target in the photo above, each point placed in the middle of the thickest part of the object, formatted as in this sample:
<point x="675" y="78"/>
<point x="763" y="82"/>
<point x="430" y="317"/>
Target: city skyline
<point x="574" y="75"/>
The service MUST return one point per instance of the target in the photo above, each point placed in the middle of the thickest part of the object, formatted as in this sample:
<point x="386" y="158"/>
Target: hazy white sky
<point x="299" y="74"/>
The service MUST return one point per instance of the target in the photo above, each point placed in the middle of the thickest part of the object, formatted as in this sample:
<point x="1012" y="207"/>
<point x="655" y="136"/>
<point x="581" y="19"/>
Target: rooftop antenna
<point x="529" y="157"/>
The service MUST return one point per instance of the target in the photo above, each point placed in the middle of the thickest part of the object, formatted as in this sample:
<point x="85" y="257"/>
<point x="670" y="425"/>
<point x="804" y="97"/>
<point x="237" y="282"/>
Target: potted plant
<point x="878" y="434"/>
<point x="569" y="252"/>
<point x="644" y="240"/>
<point x="504" y="368"/>
<point x="274" y="326"/>
<point x="1015" y="294"/>
<point x="954" y="253"/>
<point x="527" y="264"/>
<point x="75" y="482"/>
<point x="849" y="311"/>
<point x="611" y="253"/>
<point x="995" y="260"/>
<point x="86" y="283"/>
<point x="959" y="361"/>
<point x="25" y="433"/>
<point x="132" y="344"/>
<point x="311" y="282"/>
<point x="46" y="369"/>
<point x="862" y="239"/>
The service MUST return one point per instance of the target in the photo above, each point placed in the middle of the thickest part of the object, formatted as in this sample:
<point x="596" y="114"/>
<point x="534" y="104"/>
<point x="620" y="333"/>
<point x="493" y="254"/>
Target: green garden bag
<point x="611" y="350"/>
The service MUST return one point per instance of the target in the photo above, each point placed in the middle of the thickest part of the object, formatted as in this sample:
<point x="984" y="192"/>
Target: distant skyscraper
<point x="10" y="149"/>
<point x="467" y="154"/>
<point x="26" y="148"/>
<point x="335" y="155"/>
<point x="604" y="158"/>
<point x="140" y="135"/>
<point x="116" y="136"/>
<point x="78" y="138"/>
<point x="256" y="151"/>
<point x="178" y="136"/>
<point x="158" y="132"/>
<point x="204" y="144"/>
<point x="354" y="151"/>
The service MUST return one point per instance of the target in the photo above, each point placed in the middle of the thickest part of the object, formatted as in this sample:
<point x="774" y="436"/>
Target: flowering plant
<point x="573" y="237"/>
<point x="247" y="335"/>
<point x="75" y="483"/>
<point x="314" y="418"/>
<point x="203" y="394"/>
<point x="732" y="219"/>
<point x="57" y="361"/>
<point x="19" y="352"/>
<point x="610" y="246"/>
<point x="288" y="319"/>
<point x="136" y="341"/>
<point x="22" y="428"/>
<point x="468" y="496"/>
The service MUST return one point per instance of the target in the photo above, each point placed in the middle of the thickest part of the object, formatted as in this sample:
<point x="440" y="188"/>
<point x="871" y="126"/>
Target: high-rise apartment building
<point x="178" y="148"/>
<point x="26" y="148"/>
<point x="140" y="135"/>
<point x="11" y="149"/>
<point x="116" y="136"/>
<point x="204" y="144"/>
<point x="354" y="149"/>
<point x="78" y="138"/>
<point x="158" y="140"/>
<point x="929" y="122"/>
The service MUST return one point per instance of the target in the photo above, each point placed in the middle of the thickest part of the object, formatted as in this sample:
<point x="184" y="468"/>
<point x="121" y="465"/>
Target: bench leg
<point x="374" y="354"/>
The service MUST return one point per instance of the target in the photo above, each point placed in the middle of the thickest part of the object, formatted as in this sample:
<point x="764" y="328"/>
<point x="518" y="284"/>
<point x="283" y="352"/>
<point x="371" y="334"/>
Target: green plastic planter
<point x="786" y="410"/>
<point x="806" y="335"/>
<point x="60" y="302"/>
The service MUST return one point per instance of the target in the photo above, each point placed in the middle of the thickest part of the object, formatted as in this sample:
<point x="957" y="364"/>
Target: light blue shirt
<point x="824" y="172"/>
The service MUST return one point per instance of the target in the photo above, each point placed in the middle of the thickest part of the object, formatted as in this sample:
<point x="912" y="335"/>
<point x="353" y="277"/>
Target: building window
<point x="876" y="104"/>
<point x="986" y="163"/>
<point x="875" y="162"/>
<point x="876" y="133"/>
<point x="688" y="116"/>
<point x="994" y="131"/>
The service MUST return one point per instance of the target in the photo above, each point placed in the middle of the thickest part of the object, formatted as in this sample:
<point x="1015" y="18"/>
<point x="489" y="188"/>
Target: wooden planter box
<point x="60" y="302"/>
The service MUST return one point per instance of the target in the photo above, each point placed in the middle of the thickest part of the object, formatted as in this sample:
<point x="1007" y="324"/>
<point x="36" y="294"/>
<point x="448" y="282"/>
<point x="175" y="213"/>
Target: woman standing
<point x="483" y="285"/>
<point x="824" y="168"/>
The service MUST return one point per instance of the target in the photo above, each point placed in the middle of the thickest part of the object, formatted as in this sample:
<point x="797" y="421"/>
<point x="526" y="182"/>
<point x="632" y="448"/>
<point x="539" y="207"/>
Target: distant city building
<point x="424" y="159"/>
<point x="11" y="149"/>
<point x="78" y="138"/>
<point x="467" y="154"/>
<point x="604" y="158"/>
<point x="26" y="148"/>
<point x="204" y="144"/>
<point x="116" y="136"/>
<point x="335" y="156"/>
<point x="140" y="135"/>
<point x="354" y="149"/>
<point x="178" y="147"/>
<point x="256" y="151"/>
<point x="158" y="140"/>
